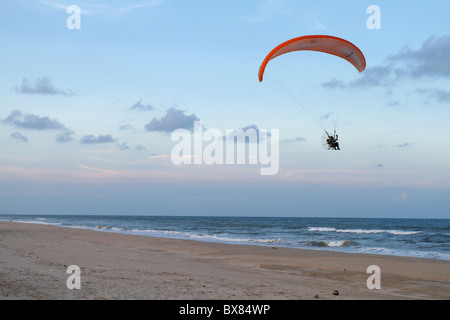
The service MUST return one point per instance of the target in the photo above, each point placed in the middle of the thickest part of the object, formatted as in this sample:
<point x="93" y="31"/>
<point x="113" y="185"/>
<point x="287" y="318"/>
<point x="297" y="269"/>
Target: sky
<point x="87" y="114"/>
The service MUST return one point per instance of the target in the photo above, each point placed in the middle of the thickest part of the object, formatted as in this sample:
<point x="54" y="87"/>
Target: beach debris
<point x="335" y="293"/>
<point x="316" y="296"/>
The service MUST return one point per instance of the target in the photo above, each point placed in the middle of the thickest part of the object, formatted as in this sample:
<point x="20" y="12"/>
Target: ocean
<point x="423" y="238"/>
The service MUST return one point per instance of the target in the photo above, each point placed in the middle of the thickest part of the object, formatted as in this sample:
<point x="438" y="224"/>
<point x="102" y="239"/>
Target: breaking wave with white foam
<point x="363" y="231"/>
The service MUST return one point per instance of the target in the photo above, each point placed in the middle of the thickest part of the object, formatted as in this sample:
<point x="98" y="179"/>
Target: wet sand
<point x="34" y="260"/>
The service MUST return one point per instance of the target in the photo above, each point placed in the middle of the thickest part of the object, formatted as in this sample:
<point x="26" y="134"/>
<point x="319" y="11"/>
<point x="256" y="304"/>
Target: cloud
<point x="158" y="156"/>
<point x="403" y="145"/>
<point x="64" y="137"/>
<point x="374" y="76"/>
<point x="22" y="120"/>
<point x="431" y="60"/>
<point x="326" y="116"/>
<point x="174" y="119"/>
<point x="440" y="95"/>
<point x="91" y="139"/>
<point x="334" y="83"/>
<point x="393" y="103"/>
<point x="124" y="146"/>
<point x="139" y="147"/>
<point x="97" y="169"/>
<point x="126" y="126"/>
<point x="41" y="86"/>
<point x="139" y="106"/>
<point x="243" y="133"/>
<point x="402" y="197"/>
<point x="295" y="139"/>
<point x="32" y="122"/>
<point x="18" y="136"/>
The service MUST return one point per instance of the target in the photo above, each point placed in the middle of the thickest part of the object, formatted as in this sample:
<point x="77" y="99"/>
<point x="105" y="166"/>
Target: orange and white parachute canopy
<point x="321" y="43"/>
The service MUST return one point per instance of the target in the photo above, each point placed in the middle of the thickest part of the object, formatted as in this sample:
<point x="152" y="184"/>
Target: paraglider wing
<point x="326" y="44"/>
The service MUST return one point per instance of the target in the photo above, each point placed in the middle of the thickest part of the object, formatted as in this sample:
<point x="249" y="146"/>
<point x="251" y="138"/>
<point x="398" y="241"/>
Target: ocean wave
<point x="191" y="235"/>
<point x="109" y="228"/>
<point x="363" y="231"/>
<point x="38" y="222"/>
<point x="229" y="239"/>
<point x="407" y="253"/>
<point x="404" y="233"/>
<point x="331" y="243"/>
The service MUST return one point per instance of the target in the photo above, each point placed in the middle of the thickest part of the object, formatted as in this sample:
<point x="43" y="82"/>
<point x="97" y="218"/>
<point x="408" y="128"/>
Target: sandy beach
<point x="34" y="260"/>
